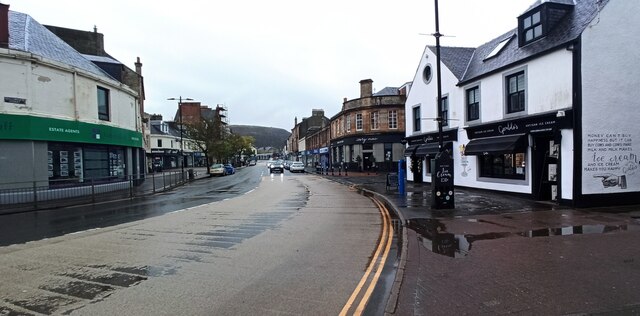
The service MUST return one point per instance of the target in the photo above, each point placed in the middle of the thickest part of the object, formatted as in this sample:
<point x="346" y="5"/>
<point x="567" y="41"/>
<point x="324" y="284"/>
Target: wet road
<point x="30" y="226"/>
<point x="296" y="244"/>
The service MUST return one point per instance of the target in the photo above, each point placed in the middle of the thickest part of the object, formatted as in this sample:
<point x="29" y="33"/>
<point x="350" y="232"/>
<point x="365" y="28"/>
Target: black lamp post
<point x="442" y="184"/>
<point x="180" y="115"/>
<point x="437" y="35"/>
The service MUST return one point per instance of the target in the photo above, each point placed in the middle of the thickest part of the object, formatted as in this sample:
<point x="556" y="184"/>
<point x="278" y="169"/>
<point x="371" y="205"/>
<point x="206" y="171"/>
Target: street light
<point x="180" y="115"/>
<point x="442" y="184"/>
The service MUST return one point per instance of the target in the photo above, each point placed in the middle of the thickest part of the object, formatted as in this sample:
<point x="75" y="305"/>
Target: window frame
<point x="468" y="104"/>
<point x="487" y="167"/>
<point x="538" y="29"/>
<point x="348" y="122"/>
<point x="444" y="109"/>
<point x="375" y="119"/>
<point x="359" y="124"/>
<point x="159" y="143"/>
<point x="427" y="76"/>
<point x="106" y="114"/>
<point x="393" y="119"/>
<point x="416" y="118"/>
<point x="522" y="94"/>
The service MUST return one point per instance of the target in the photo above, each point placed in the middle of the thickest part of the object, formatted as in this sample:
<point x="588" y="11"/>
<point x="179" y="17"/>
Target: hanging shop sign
<point x="529" y="124"/>
<point x="447" y="136"/>
<point x="371" y="139"/>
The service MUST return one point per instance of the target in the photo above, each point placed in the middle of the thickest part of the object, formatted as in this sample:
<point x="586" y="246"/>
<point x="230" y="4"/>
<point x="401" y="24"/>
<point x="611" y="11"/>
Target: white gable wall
<point x="611" y="101"/>
<point x="58" y="91"/>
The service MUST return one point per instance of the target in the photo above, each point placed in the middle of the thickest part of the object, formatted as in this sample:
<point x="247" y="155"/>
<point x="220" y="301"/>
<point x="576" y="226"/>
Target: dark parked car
<point x="229" y="169"/>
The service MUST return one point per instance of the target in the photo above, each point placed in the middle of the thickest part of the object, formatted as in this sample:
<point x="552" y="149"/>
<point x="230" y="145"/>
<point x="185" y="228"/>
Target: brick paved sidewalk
<point x="502" y="254"/>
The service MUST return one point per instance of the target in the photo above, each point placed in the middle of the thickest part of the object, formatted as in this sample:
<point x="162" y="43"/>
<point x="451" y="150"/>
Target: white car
<point x="296" y="166"/>
<point x="217" y="170"/>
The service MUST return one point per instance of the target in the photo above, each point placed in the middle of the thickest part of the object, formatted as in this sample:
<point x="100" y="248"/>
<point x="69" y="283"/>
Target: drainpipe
<point x="4" y="25"/>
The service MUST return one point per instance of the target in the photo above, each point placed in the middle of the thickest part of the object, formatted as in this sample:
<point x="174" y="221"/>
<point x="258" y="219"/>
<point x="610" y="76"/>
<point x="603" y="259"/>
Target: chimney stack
<point x="4" y="25"/>
<point x="366" y="88"/>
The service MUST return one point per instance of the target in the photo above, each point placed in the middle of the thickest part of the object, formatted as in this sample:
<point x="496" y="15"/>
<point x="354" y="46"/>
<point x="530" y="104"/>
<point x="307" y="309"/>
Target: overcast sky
<point x="271" y="61"/>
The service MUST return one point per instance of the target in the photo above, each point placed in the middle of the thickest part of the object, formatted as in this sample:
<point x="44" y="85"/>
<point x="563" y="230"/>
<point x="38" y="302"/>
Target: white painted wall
<point x="57" y="91"/>
<point x="611" y="100"/>
<point x="566" y="164"/>
<point x="549" y="86"/>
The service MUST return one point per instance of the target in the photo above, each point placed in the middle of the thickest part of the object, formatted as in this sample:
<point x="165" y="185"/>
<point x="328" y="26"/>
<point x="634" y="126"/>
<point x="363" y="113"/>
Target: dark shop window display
<point x="72" y="163"/>
<point x="104" y="163"/>
<point x="507" y="166"/>
<point x="64" y="162"/>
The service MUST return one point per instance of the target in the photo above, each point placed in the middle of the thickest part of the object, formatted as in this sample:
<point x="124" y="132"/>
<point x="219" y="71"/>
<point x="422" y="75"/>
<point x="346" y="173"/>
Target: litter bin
<point x="192" y="174"/>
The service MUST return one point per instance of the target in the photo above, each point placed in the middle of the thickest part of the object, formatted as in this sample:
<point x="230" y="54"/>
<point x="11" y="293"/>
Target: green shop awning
<point x="497" y="145"/>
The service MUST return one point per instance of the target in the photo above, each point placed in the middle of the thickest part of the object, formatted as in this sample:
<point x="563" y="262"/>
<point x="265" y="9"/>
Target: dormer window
<point x="530" y="27"/>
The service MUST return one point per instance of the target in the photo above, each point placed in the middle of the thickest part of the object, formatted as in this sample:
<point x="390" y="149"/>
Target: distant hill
<point x="264" y="136"/>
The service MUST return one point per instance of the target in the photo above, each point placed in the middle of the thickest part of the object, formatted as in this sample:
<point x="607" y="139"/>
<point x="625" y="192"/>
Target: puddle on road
<point x="44" y="304"/>
<point x="434" y="237"/>
<point x="117" y="279"/>
<point x="79" y="289"/>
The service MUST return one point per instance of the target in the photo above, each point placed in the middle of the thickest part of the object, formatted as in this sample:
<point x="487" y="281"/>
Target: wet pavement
<point x="499" y="253"/>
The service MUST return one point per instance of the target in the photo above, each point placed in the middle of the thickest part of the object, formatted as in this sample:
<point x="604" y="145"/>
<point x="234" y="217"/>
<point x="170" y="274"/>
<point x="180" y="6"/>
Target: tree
<point x="210" y="136"/>
<point x="240" y="145"/>
<point x="214" y="139"/>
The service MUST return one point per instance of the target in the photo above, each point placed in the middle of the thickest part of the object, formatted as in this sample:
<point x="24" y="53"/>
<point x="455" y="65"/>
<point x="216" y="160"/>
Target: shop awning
<point x="411" y="150"/>
<point x="497" y="145"/>
<point x="430" y="149"/>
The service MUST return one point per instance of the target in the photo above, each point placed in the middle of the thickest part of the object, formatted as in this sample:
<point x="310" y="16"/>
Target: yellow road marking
<point x="383" y="259"/>
<point x="385" y="242"/>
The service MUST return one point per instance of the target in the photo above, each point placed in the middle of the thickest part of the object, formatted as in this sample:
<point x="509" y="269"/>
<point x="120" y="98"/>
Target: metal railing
<point x="34" y="195"/>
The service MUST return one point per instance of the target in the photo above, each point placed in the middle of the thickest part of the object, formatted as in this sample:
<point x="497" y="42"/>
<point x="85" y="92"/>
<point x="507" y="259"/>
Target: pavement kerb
<point x="392" y="302"/>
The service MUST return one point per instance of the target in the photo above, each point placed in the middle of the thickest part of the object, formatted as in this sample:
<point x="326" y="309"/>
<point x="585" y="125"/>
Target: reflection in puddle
<point x="434" y="238"/>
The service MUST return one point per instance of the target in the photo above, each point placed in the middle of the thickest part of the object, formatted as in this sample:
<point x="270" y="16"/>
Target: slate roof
<point x="27" y="35"/>
<point x="387" y="91"/>
<point x="469" y="64"/>
<point x="455" y="58"/>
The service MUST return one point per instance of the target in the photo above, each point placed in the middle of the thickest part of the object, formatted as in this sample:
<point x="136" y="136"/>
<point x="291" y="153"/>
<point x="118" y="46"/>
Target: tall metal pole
<point x="180" y="126"/>
<point x="437" y="35"/>
<point x="181" y="145"/>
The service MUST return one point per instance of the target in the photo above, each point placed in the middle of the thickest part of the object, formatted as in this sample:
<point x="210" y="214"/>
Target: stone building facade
<point x="367" y="133"/>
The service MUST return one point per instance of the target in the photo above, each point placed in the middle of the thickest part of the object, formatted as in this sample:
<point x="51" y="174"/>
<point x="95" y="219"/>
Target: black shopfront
<point x="423" y="148"/>
<point x="358" y="153"/>
<point x="501" y="150"/>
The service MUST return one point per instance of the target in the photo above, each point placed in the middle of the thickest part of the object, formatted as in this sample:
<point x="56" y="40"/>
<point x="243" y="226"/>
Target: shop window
<point x="104" y="163"/>
<point x="64" y="163"/>
<point x="507" y="166"/>
<point x="103" y="104"/>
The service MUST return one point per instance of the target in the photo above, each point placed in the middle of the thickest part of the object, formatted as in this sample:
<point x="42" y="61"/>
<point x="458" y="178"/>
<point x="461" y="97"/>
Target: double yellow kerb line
<point x="374" y="269"/>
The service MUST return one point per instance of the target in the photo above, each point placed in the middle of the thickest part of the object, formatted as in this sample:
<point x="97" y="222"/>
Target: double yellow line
<point x="376" y="264"/>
